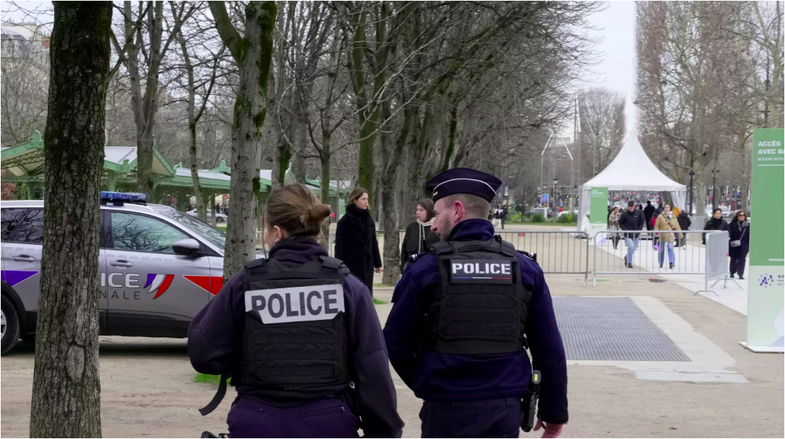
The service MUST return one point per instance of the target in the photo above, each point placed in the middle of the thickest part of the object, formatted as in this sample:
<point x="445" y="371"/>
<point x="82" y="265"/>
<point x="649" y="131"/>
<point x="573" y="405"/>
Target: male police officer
<point x="462" y="316"/>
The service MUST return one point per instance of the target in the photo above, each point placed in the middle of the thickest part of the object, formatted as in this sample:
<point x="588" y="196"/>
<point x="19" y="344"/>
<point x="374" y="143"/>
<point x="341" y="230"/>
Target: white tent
<point x="631" y="170"/>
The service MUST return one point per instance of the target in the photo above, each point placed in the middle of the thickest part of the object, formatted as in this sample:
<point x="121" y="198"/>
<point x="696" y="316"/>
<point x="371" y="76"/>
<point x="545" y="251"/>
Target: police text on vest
<point x="296" y="304"/>
<point x="480" y="271"/>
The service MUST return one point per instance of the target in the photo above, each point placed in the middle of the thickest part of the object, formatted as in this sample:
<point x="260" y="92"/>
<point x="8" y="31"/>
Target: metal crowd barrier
<point x="558" y="252"/>
<point x="611" y="252"/>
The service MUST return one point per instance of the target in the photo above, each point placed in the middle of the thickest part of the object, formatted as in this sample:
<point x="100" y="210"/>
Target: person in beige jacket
<point x="667" y="222"/>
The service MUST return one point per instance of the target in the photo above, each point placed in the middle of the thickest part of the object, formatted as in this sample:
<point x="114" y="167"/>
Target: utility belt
<point x="349" y="395"/>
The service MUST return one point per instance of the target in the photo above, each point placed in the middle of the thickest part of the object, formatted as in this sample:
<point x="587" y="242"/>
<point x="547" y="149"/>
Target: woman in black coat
<point x="684" y="224"/>
<point x="418" y="235"/>
<point x="715" y="223"/>
<point x="739" y="243"/>
<point x="355" y="239"/>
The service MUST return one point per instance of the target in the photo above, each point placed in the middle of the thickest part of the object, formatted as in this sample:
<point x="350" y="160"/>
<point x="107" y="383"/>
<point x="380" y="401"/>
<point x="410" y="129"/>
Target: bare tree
<point x="144" y="71"/>
<point x="602" y="125"/>
<point x="23" y="107"/>
<point x="252" y="51"/>
<point x="66" y="384"/>
<point x="198" y="91"/>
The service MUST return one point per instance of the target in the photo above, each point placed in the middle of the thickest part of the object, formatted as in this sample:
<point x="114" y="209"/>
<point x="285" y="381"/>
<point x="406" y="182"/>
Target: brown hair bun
<point x="296" y="210"/>
<point x="315" y="214"/>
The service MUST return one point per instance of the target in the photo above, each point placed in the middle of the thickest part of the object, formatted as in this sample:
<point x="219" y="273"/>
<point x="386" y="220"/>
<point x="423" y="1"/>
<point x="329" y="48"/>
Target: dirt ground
<point x="148" y="387"/>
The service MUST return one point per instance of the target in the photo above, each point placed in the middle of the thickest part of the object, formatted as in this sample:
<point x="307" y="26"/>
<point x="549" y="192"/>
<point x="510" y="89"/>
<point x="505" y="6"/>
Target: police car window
<point x="143" y="234"/>
<point x="11" y="219"/>
<point x="31" y="229"/>
<point x="206" y="231"/>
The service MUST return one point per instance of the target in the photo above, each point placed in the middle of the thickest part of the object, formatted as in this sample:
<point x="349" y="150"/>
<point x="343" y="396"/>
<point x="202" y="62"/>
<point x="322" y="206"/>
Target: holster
<point x="353" y="401"/>
<point x="529" y="403"/>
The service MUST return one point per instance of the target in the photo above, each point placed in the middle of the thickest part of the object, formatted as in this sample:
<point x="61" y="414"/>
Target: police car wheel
<point x="9" y="325"/>
<point x="219" y="220"/>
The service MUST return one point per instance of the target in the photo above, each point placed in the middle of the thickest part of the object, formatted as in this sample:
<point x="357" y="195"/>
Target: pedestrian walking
<point x="505" y="211"/>
<point x="654" y="236"/>
<point x="469" y="363"/>
<point x="355" y="239"/>
<point x="667" y="222"/>
<point x="313" y="370"/>
<point x="613" y="224"/>
<point x="739" y="244"/>
<point x="715" y="223"/>
<point x="648" y="213"/>
<point x="418" y="237"/>
<point x="631" y="219"/>
<point x="684" y="224"/>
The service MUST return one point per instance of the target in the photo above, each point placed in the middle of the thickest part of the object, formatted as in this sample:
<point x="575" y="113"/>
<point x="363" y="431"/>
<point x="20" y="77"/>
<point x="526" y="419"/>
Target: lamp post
<point x="553" y="195"/>
<point x="692" y="195"/>
<point x="715" y="173"/>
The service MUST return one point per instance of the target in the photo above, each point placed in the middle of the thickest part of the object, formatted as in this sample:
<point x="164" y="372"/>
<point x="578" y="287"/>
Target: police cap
<point x="464" y="181"/>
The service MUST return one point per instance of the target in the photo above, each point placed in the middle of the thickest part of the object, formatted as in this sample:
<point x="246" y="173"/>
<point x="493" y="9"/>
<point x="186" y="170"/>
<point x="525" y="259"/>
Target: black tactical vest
<point x="480" y="305"/>
<point x="295" y="342"/>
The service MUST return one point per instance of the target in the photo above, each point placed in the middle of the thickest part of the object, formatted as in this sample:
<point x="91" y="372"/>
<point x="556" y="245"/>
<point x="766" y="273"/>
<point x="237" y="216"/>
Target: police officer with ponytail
<point x="464" y="315"/>
<point x="299" y="337"/>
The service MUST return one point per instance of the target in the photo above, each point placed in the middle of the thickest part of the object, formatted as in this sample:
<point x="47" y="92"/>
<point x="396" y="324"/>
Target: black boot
<point x="741" y="277"/>
<point x="672" y="264"/>
<point x="731" y="275"/>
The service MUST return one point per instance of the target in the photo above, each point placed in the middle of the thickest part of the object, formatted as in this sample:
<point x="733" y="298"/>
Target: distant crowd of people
<point x="666" y="221"/>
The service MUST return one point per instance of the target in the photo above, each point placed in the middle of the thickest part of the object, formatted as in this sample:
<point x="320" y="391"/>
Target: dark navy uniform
<point x="452" y="334"/>
<point x="296" y="346"/>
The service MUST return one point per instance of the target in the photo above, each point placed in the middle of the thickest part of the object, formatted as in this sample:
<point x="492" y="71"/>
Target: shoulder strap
<point x="530" y="255"/>
<point x="330" y="262"/>
<point x="219" y="395"/>
<point x="254" y="270"/>
<point x="494" y="245"/>
<point x="334" y="264"/>
<point x="441" y="247"/>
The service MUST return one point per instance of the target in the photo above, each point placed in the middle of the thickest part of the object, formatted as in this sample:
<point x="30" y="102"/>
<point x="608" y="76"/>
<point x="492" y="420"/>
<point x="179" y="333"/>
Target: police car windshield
<point x="206" y="231"/>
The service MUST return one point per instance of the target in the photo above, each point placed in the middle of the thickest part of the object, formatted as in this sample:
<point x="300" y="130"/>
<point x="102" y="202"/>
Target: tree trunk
<point x="200" y="207"/>
<point x="252" y="53"/>
<point x="66" y="384"/>
<point x="745" y="182"/>
<point x="324" y="157"/>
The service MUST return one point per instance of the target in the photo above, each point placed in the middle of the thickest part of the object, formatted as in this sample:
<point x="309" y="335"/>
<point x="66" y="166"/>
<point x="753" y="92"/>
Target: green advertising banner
<point x="598" y="210"/>
<point x="766" y="278"/>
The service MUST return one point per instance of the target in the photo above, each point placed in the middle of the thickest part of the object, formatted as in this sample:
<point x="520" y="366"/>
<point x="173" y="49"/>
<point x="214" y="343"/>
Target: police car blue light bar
<point x="121" y="197"/>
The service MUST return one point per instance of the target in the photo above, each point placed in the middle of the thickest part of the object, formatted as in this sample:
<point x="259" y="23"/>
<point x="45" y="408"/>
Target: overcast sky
<point x="616" y="71"/>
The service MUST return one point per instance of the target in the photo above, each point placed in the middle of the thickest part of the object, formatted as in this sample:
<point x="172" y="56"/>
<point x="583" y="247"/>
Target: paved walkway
<point x="723" y="390"/>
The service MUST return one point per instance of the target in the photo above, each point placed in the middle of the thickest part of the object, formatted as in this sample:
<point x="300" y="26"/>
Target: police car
<point x="159" y="267"/>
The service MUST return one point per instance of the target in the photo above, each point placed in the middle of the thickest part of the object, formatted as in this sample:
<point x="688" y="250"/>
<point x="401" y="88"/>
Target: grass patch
<point x="209" y="379"/>
<point x="379" y="302"/>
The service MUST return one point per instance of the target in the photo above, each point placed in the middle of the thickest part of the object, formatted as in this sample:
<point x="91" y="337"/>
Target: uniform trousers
<point x="326" y="417"/>
<point x="486" y="418"/>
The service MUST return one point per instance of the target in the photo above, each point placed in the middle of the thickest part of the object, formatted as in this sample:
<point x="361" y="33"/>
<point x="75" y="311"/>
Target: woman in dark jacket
<point x="418" y="235"/>
<point x="684" y="223"/>
<point x="355" y="239"/>
<point x="739" y="230"/>
<point x="227" y="336"/>
<point x="715" y="223"/>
